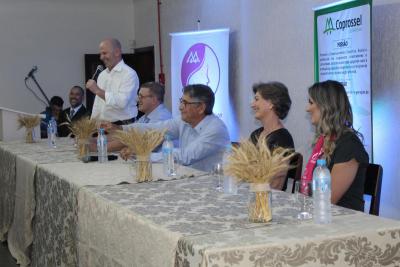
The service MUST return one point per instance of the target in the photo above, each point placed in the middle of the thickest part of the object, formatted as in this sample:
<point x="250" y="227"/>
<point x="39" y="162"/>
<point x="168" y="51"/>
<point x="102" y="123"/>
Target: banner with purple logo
<point x="203" y="57"/>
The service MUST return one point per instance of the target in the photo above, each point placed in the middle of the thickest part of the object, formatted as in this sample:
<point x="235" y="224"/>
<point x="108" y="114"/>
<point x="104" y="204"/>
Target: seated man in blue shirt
<point x="202" y="135"/>
<point x="151" y="103"/>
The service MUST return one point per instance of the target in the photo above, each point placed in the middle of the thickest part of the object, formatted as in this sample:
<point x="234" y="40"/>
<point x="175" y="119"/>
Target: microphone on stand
<point x="32" y="76"/>
<point x="99" y="69"/>
<point x="31" y="72"/>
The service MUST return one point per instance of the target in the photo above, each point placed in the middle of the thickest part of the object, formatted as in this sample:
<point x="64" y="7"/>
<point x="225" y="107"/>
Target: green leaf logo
<point x="329" y="26"/>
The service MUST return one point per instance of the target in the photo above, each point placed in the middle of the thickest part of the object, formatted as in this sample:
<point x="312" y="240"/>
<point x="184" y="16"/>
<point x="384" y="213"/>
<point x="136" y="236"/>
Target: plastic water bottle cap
<point x="101" y="130"/>
<point x="321" y="162"/>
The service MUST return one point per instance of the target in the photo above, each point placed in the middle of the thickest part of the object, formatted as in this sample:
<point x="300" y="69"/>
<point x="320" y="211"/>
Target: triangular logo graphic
<point x="193" y="58"/>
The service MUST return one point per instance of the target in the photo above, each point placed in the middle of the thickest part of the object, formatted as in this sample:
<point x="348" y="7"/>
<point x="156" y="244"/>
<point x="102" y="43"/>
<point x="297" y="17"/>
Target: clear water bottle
<point x="322" y="193"/>
<point x="52" y="133"/>
<point x="168" y="156"/>
<point x="102" y="146"/>
<point x="230" y="184"/>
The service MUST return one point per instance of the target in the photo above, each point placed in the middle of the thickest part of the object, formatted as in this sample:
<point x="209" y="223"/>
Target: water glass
<point x="230" y="185"/>
<point x="219" y="172"/>
<point x="175" y="165"/>
<point x="303" y="199"/>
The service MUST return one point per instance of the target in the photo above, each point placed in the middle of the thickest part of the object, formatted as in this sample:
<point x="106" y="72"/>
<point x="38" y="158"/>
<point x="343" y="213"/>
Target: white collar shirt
<point x="120" y="85"/>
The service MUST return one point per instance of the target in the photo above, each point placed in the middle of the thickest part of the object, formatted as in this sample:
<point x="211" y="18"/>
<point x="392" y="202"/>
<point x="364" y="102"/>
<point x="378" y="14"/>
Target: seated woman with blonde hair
<point x="337" y="142"/>
<point x="271" y="104"/>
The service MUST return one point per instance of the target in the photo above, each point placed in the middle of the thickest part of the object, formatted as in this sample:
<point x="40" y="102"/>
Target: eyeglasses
<point x="144" y="96"/>
<point x="185" y="103"/>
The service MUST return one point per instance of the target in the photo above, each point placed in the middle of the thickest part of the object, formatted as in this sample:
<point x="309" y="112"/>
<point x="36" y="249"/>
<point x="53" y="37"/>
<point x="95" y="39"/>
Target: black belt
<point x="125" y="122"/>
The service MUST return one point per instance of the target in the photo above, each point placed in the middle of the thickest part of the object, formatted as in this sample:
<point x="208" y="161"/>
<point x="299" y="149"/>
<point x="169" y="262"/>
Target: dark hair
<point x="278" y="94"/>
<point x="156" y="89"/>
<point x="201" y="93"/>
<point x="57" y="101"/>
<point x="80" y="88"/>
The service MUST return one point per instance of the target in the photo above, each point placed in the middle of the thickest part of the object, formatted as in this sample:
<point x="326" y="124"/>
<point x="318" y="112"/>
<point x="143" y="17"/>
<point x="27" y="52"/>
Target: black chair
<point x="372" y="186"/>
<point x="294" y="173"/>
<point x="235" y="144"/>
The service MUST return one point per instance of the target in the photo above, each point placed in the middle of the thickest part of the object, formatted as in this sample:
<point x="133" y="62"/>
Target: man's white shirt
<point x="120" y="85"/>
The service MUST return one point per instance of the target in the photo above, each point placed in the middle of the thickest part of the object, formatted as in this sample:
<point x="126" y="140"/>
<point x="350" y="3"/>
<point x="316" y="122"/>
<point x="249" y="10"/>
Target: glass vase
<point x="143" y="168"/>
<point x="260" y="209"/>
<point x="83" y="149"/>
<point x="29" y="135"/>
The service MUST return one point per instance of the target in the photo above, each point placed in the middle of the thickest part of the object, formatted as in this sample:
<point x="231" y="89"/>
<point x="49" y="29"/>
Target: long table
<point x="39" y="198"/>
<point x="84" y="217"/>
<point x="188" y="223"/>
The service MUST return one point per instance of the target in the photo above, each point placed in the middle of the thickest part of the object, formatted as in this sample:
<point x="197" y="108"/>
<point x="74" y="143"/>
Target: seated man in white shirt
<point x="202" y="136"/>
<point x="116" y="87"/>
<point x="151" y="103"/>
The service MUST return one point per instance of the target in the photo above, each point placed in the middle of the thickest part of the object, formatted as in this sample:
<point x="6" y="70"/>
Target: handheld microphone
<point x="99" y="69"/>
<point x="31" y="72"/>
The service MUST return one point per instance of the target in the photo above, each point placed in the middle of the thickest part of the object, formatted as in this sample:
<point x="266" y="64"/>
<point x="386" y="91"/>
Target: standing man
<point x="75" y="112"/>
<point x="116" y="87"/>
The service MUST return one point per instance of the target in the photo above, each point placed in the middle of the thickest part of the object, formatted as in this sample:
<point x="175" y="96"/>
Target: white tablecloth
<point x="18" y="177"/>
<point x="55" y="172"/>
<point x="185" y="222"/>
<point x="188" y="223"/>
<point x="7" y="191"/>
<point x="56" y="220"/>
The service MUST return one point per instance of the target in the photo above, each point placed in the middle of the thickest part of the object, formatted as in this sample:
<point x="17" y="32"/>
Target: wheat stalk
<point x="256" y="163"/>
<point x="28" y="121"/>
<point x="83" y="128"/>
<point x="140" y="142"/>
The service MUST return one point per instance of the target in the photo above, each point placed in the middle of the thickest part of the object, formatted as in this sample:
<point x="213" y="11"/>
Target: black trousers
<point x="124" y="122"/>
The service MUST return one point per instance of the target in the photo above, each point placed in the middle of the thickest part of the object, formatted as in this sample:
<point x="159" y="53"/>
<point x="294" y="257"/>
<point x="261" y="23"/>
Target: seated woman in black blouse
<point x="271" y="104"/>
<point x="338" y="142"/>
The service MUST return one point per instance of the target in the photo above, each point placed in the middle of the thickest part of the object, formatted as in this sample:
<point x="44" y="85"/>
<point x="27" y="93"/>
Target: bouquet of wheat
<point x="141" y="143"/>
<point x="29" y="123"/>
<point x="83" y="130"/>
<point x="257" y="165"/>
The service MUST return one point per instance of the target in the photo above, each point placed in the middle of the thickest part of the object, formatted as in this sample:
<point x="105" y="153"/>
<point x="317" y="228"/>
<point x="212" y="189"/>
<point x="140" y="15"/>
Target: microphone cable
<point x="33" y="92"/>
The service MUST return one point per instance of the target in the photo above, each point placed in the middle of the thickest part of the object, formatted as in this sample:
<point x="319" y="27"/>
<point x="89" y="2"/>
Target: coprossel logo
<point x="329" y="26"/>
<point x="343" y="24"/>
<point x="200" y="65"/>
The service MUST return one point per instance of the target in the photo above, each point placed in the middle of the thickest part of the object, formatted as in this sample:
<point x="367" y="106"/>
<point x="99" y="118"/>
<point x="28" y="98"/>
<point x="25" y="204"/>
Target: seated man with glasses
<point x="151" y="103"/>
<point x="202" y="135"/>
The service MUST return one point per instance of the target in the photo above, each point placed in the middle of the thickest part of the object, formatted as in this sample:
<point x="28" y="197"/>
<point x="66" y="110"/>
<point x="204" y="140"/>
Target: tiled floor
<point x="6" y="260"/>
